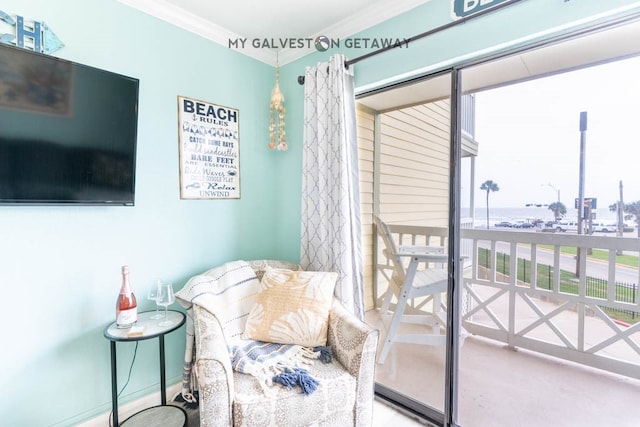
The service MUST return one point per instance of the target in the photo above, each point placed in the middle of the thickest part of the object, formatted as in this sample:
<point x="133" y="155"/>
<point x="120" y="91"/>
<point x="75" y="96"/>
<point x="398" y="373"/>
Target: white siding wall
<point x="414" y="165"/>
<point x="365" y="122"/>
<point x="413" y="172"/>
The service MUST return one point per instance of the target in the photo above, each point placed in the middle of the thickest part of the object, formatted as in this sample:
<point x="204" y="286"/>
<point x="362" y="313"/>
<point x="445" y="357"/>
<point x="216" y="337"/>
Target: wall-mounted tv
<point x="68" y="132"/>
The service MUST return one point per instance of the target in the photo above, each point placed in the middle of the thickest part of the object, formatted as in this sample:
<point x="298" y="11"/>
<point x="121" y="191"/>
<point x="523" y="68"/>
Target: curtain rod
<point x="425" y="34"/>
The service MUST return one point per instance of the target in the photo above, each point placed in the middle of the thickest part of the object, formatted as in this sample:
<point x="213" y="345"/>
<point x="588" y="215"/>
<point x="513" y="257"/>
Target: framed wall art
<point x="209" y="150"/>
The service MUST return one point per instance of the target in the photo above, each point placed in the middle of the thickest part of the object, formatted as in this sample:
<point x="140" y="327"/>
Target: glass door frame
<point x="404" y="403"/>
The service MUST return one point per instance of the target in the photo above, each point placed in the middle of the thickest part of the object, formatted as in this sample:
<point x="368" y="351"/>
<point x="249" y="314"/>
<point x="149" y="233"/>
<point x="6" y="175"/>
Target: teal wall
<point x="60" y="269"/>
<point x="60" y="266"/>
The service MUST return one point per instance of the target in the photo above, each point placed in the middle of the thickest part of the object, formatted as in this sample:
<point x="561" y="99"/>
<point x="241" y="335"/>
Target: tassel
<point x="307" y="383"/>
<point x="297" y="377"/>
<point x="325" y="353"/>
<point x="288" y="378"/>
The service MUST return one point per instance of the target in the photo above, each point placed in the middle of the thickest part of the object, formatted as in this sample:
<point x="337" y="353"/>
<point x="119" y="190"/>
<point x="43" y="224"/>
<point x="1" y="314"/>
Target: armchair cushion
<point x="332" y="402"/>
<point x="292" y="307"/>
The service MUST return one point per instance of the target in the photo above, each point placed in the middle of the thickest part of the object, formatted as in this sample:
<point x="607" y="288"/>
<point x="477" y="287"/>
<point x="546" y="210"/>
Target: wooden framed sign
<point x="209" y="150"/>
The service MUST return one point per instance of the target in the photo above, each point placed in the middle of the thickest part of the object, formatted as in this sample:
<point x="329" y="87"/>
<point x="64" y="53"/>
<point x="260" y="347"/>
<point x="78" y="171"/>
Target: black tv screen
<point x="67" y="132"/>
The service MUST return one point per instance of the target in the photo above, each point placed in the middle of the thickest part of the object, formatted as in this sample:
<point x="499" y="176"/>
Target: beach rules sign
<point x="464" y="8"/>
<point x="209" y="150"/>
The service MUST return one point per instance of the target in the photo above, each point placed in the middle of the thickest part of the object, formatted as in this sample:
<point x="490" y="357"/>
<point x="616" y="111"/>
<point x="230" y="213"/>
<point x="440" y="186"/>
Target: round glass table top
<point x="146" y="327"/>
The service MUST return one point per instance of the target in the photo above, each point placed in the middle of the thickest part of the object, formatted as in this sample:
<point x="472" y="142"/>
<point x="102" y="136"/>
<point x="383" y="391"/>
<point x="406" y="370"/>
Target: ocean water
<point x="528" y="213"/>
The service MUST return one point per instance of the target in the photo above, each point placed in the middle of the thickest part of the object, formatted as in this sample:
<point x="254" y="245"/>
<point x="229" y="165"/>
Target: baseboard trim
<point x="128" y="409"/>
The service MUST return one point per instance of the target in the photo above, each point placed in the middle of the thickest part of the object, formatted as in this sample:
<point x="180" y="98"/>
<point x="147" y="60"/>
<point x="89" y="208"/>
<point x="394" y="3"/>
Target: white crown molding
<point x="181" y="18"/>
<point x="366" y="18"/>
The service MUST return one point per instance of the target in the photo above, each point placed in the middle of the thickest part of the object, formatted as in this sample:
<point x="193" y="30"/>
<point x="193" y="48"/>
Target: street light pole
<point x="583" y="141"/>
<point x="620" y="230"/>
<point x="557" y="190"/>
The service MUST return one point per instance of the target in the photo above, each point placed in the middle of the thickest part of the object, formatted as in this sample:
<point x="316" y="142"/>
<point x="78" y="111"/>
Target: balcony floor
<point x="517" y="388"/>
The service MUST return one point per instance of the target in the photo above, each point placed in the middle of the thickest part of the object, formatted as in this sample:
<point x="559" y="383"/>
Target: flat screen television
<point x="68" y="132"/>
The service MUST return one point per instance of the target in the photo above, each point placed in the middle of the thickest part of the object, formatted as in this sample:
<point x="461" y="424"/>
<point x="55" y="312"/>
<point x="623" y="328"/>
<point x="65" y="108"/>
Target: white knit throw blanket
<point x="228" y="291"/>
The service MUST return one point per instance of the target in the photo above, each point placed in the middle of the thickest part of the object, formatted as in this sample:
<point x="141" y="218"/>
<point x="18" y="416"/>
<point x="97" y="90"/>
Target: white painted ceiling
<point x="273" y="19"/>
<point x="619" y="41"/>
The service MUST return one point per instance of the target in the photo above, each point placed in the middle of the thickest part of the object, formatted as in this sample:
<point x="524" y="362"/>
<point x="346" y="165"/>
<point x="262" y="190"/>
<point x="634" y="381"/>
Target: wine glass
<point x="165" y="298"/>
<point x="152" y="295"/>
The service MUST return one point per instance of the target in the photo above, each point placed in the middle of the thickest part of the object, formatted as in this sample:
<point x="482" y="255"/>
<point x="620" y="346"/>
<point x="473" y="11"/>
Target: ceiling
<point x="619" y="41"/>
<point x="273" y="20"/>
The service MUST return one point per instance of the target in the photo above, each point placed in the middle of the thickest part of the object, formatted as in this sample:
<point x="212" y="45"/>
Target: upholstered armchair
<point x="344" y="395"/>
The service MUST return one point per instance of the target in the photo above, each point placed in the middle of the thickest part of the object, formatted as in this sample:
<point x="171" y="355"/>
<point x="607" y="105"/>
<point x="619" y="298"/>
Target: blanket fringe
<point x="297" y="377"/>
<point x="324" y="353"/>
<point x="279" y="363"/>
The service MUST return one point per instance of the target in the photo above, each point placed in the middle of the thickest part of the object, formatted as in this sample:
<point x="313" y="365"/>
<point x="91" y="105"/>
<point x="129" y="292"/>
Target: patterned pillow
<point x="261" y="265"/>
<point x="292" y="307"/>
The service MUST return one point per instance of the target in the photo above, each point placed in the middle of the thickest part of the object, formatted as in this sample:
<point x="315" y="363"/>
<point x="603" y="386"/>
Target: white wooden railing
<point x="547" y="318"/>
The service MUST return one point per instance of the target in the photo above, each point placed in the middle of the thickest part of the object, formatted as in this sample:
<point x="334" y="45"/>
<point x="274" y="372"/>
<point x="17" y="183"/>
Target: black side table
<point x="169" y="414"/>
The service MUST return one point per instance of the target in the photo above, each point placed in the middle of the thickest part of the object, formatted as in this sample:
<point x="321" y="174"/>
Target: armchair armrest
<point x="213" y="370"/>
<point x="355" y="344"/>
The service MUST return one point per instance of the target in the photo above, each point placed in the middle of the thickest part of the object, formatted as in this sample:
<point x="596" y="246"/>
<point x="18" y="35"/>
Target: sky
<point x="529" y="137"/>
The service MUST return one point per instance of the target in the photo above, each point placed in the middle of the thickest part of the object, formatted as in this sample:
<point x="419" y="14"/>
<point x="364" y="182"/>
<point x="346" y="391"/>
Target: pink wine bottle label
<point x="127" y="318"/>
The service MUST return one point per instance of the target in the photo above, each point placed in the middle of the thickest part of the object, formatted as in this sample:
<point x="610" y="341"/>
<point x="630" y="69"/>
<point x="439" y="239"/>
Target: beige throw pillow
<point x="292" y="307"/>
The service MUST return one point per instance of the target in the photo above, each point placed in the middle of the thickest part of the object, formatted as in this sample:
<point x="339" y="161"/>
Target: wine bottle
<point x="126" y="306"/>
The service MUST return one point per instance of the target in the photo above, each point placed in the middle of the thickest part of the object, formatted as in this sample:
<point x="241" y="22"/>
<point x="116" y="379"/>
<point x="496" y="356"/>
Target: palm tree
<point x="559" y="210"/>
<point x="489" y="186"/>
<point x="633" y="209"/>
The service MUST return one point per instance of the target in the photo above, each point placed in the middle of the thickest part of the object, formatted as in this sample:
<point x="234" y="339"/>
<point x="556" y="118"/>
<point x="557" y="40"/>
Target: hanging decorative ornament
<point x="276" y="124"/>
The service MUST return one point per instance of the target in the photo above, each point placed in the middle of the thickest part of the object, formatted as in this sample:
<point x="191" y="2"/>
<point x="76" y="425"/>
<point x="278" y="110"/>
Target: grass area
<point x="598" y="254"/>
<point x="596" y="288"/>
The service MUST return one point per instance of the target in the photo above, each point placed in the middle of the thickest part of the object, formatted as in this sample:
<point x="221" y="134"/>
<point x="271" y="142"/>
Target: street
<point x="595" y="268"/>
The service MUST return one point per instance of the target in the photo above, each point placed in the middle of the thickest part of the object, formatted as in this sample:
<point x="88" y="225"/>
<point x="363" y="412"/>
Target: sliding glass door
<point x="552" y="297"/>
<point x="408" y="135"/>
<point x="512" y="168"/>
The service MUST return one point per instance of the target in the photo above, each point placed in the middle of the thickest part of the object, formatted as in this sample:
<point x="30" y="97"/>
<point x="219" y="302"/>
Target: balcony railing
<point x="468" y="107"/>
<point x="521" y="289"/>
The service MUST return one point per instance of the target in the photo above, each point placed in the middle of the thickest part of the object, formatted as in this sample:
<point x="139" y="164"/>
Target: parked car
<point x="537" y="222"/>
<point x="569" y="226"/>
<point x="566" y="226"/>
<point x="503" y="224"/>
<point x="604" y="227"/>
<point x="524" y="225"/>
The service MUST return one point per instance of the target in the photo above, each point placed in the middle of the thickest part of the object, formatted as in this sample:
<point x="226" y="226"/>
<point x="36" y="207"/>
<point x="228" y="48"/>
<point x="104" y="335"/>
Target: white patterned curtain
<point x="331" y="232"/>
